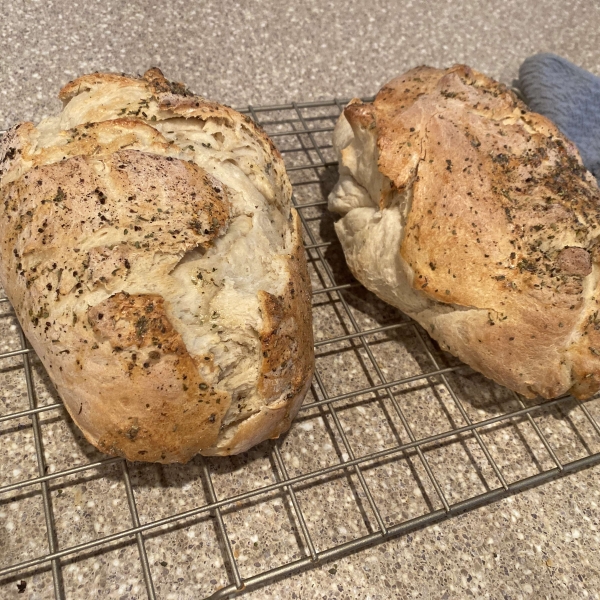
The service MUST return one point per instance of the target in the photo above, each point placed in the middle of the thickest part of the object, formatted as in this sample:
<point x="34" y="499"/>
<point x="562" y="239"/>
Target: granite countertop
<point x="541" y="543"/>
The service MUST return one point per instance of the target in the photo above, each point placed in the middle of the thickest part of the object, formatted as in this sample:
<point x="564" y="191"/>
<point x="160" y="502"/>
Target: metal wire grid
<point x="302" y="132"/>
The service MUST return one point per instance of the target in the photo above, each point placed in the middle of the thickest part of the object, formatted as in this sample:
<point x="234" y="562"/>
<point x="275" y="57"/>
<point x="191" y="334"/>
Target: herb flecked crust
<point x="492" y="224"/>
<point x="152" y="255"/>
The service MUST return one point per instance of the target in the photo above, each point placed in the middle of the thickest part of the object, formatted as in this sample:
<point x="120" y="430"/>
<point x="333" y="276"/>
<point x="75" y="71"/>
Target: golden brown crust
<point x="174" y="99"/>
<point x="46" y="269"/>
<point x="104" y="227"/>
<point x="104" y="138"/>
<point x="162" y="194"/>
<point x="87" y="82"/>
<point x="170" y="412"/>
<point x="501" y="228"/>
<point x="360" y="114"/>
<point x="14" y="151"/>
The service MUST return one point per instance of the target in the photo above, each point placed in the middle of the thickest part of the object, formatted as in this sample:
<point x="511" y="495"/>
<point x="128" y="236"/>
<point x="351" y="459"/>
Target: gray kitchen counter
<point x="541" y="543"/>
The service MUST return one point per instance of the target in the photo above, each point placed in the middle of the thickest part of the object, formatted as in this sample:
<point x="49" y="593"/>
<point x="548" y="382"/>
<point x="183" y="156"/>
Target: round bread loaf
<point x="154" y="260"/>
<point x="476" y="217"/>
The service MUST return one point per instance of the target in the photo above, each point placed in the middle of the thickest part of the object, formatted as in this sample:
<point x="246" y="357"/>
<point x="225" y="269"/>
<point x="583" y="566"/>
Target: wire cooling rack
<point x="394" y="435"/>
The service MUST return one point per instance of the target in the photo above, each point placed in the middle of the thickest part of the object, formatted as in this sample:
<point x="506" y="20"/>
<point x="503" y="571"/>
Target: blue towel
<point x="570" y="97"/>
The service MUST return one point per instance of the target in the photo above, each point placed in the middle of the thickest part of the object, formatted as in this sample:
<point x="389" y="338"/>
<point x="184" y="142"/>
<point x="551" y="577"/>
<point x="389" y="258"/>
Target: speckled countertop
<point x="542" y="543"/>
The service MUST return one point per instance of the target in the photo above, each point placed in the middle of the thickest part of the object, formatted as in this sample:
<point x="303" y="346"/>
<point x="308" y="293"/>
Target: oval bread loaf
<point x="154" y="260"/>
<point x="477" y="218"/>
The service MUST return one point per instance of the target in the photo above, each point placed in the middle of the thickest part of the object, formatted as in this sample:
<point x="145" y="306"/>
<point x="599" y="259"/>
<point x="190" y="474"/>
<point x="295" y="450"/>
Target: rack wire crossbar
<point x="357" y="329"/>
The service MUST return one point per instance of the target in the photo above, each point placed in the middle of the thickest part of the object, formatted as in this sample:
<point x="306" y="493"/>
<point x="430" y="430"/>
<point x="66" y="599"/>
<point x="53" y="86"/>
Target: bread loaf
<point x="476" y="217"/>
<point x="154" y="260"/>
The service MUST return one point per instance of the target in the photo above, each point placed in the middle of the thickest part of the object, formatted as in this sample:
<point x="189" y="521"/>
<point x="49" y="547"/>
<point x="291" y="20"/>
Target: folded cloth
<point x="570" y="97"/>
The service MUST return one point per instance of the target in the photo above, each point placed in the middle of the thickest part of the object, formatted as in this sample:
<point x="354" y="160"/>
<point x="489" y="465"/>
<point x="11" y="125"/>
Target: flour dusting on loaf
<point x="477" y="218"/>
<point x="152" y="255"/>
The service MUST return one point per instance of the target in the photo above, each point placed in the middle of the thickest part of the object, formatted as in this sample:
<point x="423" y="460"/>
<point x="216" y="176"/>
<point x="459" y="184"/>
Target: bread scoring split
<point x="477" y="218"/>
<point x="154" y="260"/>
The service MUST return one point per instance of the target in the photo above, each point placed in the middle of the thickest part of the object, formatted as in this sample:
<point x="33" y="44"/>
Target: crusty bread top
<point x="152" y="255"/>
<point x="132" y="101"/>
<point x="502" y="219"/>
